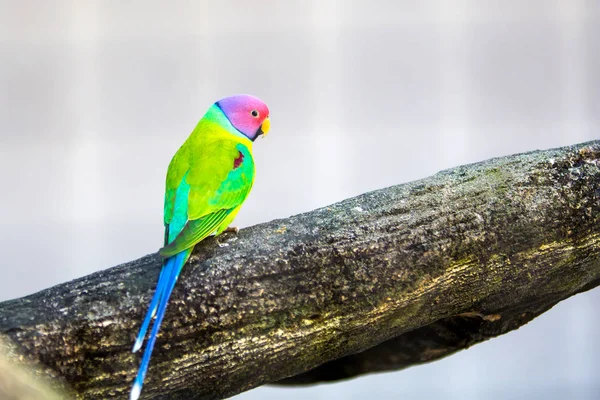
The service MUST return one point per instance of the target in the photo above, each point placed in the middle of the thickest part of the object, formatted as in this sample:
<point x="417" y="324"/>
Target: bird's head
<point x="247" y="114"/>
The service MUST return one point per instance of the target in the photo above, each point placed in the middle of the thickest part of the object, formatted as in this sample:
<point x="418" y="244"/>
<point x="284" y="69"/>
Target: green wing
<point x="204" y="198"/>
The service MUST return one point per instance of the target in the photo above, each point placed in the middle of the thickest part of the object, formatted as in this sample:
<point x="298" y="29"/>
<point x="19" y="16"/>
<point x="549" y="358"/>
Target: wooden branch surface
<point x="386" y="280"/>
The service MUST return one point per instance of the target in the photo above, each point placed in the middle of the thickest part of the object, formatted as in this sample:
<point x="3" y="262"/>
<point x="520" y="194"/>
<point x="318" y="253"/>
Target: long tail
<point x="166" y="283"/>
<point x="139" y="341"/>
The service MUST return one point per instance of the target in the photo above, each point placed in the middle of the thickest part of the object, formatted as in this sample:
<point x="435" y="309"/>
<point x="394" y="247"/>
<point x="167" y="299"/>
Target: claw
<point x="232" y="229"/>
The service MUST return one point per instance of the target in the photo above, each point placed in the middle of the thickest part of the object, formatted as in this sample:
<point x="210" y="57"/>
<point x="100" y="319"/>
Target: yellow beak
<point x="266" y="125"/>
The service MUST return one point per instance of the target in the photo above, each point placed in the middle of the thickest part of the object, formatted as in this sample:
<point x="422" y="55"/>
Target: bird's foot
<point x="232" y="229"/>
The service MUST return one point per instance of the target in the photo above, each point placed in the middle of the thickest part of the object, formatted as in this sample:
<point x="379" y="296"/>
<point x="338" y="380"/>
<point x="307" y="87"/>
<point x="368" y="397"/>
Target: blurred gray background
<point x="96" y="96"/>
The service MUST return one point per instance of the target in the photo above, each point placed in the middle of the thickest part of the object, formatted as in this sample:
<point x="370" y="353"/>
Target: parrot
<point x="208" y="179"/>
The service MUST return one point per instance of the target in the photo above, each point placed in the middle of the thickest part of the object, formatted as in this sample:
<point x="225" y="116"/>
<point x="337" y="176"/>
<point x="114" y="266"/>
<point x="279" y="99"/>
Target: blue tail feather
<point x="162" y="278"/>
<point x="167" y="281"/>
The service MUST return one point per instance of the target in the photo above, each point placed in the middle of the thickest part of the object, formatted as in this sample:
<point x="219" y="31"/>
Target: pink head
<point x="247" y="114"/>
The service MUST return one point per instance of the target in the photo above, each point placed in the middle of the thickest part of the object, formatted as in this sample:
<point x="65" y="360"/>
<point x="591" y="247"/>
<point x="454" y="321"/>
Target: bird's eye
<point x="254" y="113"/>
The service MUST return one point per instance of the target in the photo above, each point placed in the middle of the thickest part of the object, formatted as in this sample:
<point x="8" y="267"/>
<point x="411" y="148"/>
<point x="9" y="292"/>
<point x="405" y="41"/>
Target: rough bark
<point x="386" y="280"/>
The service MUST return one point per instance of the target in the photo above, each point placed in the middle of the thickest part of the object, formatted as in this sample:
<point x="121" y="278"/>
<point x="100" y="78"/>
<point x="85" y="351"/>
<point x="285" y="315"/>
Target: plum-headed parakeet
<point x="208" y="179"/>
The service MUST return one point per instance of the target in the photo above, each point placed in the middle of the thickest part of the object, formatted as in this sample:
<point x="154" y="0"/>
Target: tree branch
<point x="386" y="280"/>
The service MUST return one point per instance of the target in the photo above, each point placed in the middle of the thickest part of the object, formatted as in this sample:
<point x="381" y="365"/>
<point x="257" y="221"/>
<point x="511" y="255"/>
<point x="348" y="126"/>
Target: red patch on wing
<point x="238" y="161"/>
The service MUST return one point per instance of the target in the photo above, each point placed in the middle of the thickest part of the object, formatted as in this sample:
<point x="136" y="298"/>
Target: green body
<point x="208" y="179"/>
<point x="205" y="188"/>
